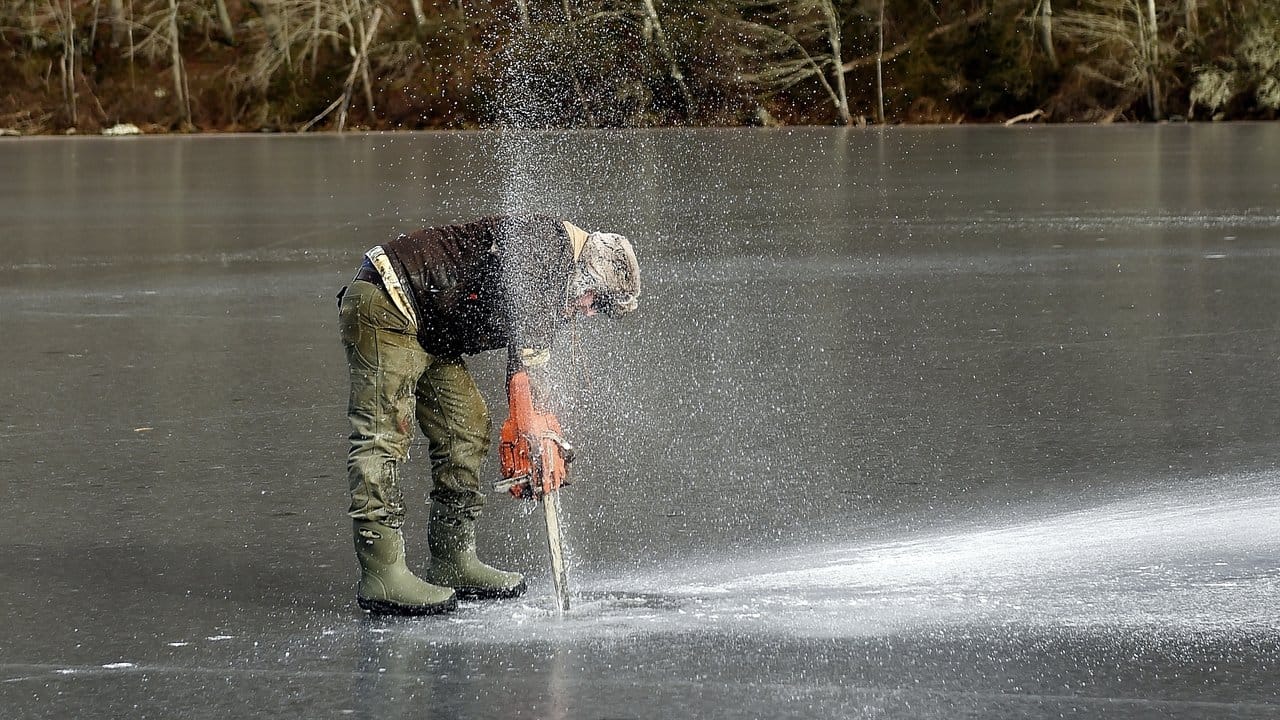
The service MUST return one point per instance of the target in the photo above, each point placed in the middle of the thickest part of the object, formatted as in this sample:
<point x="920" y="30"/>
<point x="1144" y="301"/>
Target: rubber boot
<point x="387" y="587"/>
<point x="454" y="564"/>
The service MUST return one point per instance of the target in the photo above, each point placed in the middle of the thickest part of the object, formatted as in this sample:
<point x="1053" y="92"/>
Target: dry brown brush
<point x="289" y="65"/>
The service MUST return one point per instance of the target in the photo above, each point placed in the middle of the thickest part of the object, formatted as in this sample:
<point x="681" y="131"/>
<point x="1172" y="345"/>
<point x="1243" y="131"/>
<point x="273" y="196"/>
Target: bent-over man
<point x="417" y="305"/>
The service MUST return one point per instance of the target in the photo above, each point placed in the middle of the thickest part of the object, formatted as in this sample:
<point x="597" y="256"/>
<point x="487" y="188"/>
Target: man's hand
<point x="533" y="449"/>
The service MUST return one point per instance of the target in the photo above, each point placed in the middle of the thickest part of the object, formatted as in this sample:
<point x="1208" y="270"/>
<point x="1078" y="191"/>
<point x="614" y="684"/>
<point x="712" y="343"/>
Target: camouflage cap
<point x="608" y="266"/>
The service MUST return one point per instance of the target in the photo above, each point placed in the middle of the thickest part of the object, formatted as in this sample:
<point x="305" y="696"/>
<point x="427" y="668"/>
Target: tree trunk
<point x="179" y="71"/>
<point x="133" y="81"/>
<point x="69" y="62"/>
<point x="879" y="66"/>
<point x="1192" y="9"/>
<point x="359" y="67"/>
<point x="1153" y="61"/>
<point x="318" y="10"/>
<point x="661" y="38"/>
<point x="419" y="16"/>
<point x="61" y="11"/>
<point x="119" y="22"/>
<point x="1046" y="30"/>
<point x="523" y="7"/>
<point x="224" y="21"/>
<point x="837" y="61"/>
<point x="366" y="36"/>
<point x="93" y="26"/>
<point x="286" y="35"/>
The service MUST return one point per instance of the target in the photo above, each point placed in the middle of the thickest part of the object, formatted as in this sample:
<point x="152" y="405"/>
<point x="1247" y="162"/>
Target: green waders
<point x="394" y="381"/>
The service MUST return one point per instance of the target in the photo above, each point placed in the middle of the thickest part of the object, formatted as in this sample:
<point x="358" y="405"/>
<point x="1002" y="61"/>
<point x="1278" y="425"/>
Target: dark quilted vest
<point x="498" y="282"/>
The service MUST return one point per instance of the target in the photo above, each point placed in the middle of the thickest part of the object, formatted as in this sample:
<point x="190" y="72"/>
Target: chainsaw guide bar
<point x="555" y="544"/>
<point x="550" y="502"/>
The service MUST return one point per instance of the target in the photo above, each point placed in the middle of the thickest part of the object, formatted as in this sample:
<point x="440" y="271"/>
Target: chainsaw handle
<point x="533" y="453"/>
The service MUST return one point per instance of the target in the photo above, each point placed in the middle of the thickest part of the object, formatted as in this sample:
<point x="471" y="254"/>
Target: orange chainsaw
<point x="535" y="458"/>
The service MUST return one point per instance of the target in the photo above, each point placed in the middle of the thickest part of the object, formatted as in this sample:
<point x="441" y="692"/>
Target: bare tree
<point x="1152" y="50"/>
<point x="664" y="47"/>
<point x="832" y="20"/>
<point x="180" y="88"/>
<point x="879" y="65"/>
<point x="63" y="19"/>
<point x="360" y="35"/>
<point x="120" y="17"/>
<point x="1122" y="39"/>
<point x="419" y="16"/>
<point x="282" y="29"/>
<point x="1044" y="19"/>
<point x="781" y="43"/>
<point x="274" y="19"/>
<point x="1253" y="71"/>
<point x="224" y="21"/>
<point x="317" y="32"/>
<point x="119" y="22"/>
<point x="162" y="40"/>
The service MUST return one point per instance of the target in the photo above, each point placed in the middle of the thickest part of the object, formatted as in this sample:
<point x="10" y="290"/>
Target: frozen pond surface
<point x="929" y="423"/>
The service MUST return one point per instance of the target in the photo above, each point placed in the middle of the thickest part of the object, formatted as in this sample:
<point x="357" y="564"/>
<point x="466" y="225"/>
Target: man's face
<point x="585" y="304"/>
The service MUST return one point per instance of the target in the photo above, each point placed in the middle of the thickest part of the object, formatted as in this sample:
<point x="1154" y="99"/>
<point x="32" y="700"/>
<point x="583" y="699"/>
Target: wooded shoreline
<point x="88" y="66"/>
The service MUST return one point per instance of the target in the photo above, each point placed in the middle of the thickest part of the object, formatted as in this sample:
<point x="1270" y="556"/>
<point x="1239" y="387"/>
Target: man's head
<point x="606" y="269"/>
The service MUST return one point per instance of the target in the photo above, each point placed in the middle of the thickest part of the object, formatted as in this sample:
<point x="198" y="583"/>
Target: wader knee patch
<point x="394" y="497"/>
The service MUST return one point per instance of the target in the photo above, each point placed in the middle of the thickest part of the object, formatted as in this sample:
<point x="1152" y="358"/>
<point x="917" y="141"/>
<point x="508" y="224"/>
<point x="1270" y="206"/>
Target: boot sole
<point x="484" y="593"/>
<point x="386" y="607"/>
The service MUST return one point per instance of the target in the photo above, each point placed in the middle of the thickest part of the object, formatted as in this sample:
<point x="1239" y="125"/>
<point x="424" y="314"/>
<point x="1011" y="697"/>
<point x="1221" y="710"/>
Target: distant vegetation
<point x="287" y="65"/>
